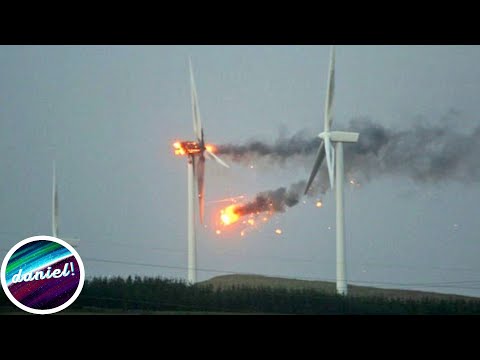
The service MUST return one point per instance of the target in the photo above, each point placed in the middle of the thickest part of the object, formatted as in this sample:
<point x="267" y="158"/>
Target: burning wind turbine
<point x="196" y="151"/>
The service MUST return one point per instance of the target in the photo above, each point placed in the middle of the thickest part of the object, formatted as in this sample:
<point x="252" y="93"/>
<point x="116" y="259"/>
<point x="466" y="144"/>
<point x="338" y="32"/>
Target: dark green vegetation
<point x="241" y="294"/>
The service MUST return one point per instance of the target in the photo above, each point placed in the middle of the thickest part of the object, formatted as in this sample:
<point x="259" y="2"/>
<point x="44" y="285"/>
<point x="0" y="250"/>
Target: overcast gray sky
<point x="108" y="115"/>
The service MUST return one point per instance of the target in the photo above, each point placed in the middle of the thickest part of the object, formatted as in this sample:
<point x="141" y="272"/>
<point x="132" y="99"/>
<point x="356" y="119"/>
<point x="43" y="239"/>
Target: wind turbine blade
<point x="330" y="155"/>
<point x="217" y="159"/>
<point x="54" y="204"/>
<point x="197" y="122"/>
<point x="330" y="92"/>
<point x="316" y="166"/>
<point x="200" y="175"/>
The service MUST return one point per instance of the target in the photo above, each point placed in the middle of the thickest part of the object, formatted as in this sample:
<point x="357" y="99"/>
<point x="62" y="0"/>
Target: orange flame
<point x="211" y="148"/>
<point x="178" y="148"/>
<point x="191" y="148"/>
<point x="229" y="216"/>
<point x="233" y="217"/>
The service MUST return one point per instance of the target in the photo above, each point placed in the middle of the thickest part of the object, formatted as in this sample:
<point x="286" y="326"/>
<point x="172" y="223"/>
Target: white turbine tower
<point x="196" y="151"/>
<point x="55" y="213"/>
<point x="327" y="150"/>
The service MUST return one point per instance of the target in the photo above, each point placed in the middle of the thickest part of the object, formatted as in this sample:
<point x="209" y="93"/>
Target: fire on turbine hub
<point x="190" y="148"/>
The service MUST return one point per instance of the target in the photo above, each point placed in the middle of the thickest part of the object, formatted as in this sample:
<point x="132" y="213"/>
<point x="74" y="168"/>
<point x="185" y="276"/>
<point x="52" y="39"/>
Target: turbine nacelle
<point x="335" y="136"/>
<point x="187" y="148"/>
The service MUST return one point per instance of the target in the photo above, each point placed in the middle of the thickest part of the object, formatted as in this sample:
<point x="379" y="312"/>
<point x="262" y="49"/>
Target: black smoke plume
<point x="274" y="200"/>
<point x="427" y="154"/>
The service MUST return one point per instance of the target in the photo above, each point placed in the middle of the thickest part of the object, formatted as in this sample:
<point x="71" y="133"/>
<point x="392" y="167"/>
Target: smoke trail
<point x="301" y="143"/>
<point x="425" y="154"/>
<point x="274" y="200"/>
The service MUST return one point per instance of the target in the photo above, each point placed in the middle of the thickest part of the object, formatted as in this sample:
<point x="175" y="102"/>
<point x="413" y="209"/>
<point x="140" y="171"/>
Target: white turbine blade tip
<point x="197" y="122"/>
<point x="330" y="92"/>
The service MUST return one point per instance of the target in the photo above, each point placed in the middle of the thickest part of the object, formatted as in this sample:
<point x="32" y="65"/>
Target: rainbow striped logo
<point x="42" y="274"/>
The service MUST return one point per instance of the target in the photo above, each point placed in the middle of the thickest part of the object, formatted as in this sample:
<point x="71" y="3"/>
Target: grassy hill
<point x="251" y="294"/>
<point x="258" y="281"/>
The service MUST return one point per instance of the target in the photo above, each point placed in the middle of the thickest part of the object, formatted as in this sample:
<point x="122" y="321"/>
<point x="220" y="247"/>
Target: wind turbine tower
<point x="55" y="213"/>
<point x="334" y="154"/>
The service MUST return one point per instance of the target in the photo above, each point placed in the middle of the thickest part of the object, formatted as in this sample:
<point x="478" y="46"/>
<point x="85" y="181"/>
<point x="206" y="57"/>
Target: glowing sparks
<point x="240" y="217"/>
<point x="228" y="215"/>
<point x="354" y="182"/>
<point x="278" y="231"/>
<point x="319" y="204"/>
<point x="218" y="232"/>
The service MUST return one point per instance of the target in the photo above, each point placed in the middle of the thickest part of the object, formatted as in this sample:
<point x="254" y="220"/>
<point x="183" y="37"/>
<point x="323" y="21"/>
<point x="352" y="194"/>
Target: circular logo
<point x="42" y="275"/>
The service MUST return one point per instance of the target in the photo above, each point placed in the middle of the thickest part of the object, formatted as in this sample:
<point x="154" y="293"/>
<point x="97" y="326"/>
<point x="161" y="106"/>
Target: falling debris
<point x="278" y="231"/>
<point x="274" y="201"/>
<point x="262" y="207"/>
<point x="229" y="215"/>
<point x="319" y="204"/>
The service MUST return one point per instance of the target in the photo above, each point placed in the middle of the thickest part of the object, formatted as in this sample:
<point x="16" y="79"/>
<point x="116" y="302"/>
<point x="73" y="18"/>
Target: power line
<point x="449" y="284"/>
<point x="415" y="267"/>
<point x="281" y="258"/>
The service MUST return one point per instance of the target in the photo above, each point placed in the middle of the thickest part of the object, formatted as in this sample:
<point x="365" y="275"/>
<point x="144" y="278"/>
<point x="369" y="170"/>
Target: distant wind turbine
<point x="196" y="151"/>
<point x="327" y="150"/>
<point x="55" y="214"/>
